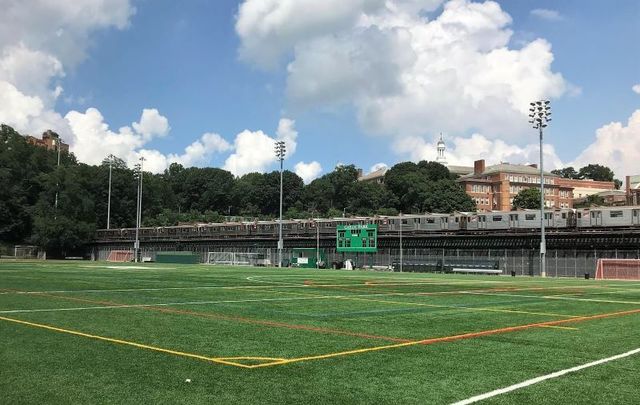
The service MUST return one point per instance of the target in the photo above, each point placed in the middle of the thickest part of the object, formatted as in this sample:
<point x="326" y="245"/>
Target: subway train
<point x="411" y="224"/>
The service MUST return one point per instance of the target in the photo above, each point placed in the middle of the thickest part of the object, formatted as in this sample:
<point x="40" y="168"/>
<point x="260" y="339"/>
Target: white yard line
<point x="537" y="380"/>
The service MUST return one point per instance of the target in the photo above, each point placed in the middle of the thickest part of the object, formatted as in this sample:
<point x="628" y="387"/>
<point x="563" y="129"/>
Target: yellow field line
<point x="450" y="338"/>
<point x="128" y="343"/>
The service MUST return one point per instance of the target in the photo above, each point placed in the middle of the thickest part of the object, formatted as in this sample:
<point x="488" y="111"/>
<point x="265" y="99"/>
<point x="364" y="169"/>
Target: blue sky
<point x="200" y="73"/>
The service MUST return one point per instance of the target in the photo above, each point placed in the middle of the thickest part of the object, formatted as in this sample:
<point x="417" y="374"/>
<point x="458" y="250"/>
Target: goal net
<point x="237" y="259"/>
<point x="120" y="256"/>
<point x="25" y="252"/>
<point x="618" y="269"/>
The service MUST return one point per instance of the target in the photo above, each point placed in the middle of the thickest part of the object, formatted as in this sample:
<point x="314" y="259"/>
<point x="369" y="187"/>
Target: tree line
<point x="30" y="180"/>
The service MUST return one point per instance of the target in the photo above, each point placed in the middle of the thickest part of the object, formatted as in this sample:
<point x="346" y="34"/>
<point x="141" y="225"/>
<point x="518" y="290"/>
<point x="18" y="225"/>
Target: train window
<point x="497" y="218"/>
<point x="635" y="213"/>
<point x="431" y="221"/>
<point x="416" y="220"/>
<point x="445" y="220"/>
<point x="482" y="218"/>
<point x="615" y="214"/>
<point x="529" y="217"/>
<point x="405" y="222"/>
<point x="457" y="219"/>
<point x="564" y="215"/>
<point x="514" y="217"/>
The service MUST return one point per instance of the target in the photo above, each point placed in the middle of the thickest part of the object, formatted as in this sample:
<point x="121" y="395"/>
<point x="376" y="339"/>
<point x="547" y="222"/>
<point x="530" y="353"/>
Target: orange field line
<point x="214" y="315"/>
<point x="451" y="338"/>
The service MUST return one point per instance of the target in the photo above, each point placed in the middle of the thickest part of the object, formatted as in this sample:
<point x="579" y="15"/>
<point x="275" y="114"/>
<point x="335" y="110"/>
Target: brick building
<point x="632" y="189"/>
<point x="50" y="140"/>
<point x="494" y="187"/>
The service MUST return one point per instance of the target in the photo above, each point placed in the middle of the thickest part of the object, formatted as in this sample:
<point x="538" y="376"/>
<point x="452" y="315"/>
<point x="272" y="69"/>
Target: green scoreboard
<point x="357" y="238"/>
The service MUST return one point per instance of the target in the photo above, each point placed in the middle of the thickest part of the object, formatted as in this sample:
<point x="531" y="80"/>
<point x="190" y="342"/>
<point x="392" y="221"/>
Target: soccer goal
<point x="237" y="259"/>
<point x="618" y="269"/>
<point x="120" y="256"/>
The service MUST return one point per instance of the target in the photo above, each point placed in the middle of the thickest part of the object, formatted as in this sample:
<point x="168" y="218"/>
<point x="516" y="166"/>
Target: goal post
<point x="618" y="269"/>
<point x="238" y="259"/>
<point x="120" y="256"/>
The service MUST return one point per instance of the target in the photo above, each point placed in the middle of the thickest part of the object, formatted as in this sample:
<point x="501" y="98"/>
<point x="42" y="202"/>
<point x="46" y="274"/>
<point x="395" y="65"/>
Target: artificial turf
<point x="91" y="332"/>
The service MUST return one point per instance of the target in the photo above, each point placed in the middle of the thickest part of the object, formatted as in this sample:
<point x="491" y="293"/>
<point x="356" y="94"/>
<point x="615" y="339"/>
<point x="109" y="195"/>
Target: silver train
<point x="411" y="224"/>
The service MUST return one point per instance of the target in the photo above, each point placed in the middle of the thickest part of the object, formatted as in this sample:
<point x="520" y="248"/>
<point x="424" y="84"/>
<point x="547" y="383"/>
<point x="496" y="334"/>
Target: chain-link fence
<point x="524" y="262"/>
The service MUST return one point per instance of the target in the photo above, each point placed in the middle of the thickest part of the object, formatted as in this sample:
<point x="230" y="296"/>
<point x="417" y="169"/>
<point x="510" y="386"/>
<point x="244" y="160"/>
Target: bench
<point x="476" y="271"/>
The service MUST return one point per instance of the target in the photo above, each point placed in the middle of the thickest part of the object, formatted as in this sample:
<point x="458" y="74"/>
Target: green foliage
<point x="590" y="200"/>
<point x="596" y="172"/>
<point x="527" y="199"/>
<point x="567" y="173"/>
<point x="426" y="186"/>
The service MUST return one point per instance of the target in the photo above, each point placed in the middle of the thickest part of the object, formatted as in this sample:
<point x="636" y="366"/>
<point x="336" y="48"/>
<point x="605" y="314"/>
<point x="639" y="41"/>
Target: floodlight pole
<point x="280" y="153"/>
<point x="317" y="246"/>
<point x="110" y="157"/>
<point x="139" y="170"/>
<point x="539" y="114"/>
<point x="401" y="242"/>
<point x="55" y="211"/>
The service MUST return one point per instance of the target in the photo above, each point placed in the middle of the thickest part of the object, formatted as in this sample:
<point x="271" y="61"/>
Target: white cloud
<point x="378" y="166"/>
<point x="60" y="28"/>
<point x="464" y="151"/>
<point x="38" y="39"/>
<point x="546" y="14"/>
<point x="404" y="74"/>
<point x="616" y="146"/>
<point x="151" y="124"/>
<point x="636" y="88"/>
<point x="254" y="150"/>
<point x="94" y="140"/>
<point x="308" y="171"/>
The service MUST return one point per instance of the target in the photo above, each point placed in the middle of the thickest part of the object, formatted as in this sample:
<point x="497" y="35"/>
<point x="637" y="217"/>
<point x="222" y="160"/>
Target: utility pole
<point x="110" y="157"/>
<point x="539" y="113"/>
<point x="280" y="154"/>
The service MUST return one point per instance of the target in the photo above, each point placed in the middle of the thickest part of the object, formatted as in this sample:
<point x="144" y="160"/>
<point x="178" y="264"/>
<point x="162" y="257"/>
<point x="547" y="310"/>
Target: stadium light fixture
<point x="281" y="150"/>
<point x="539" y="117"/>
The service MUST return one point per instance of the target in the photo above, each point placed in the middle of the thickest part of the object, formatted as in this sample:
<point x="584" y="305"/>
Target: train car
<point x="608" y="217"/>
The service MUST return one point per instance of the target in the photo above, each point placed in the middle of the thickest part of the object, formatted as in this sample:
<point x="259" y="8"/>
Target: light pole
<point x="539" y="114"/>
<point x="138" y="174"/>
<point x="110" y="157"/>
<point x="280" y="153"/>
<point x="57" y="143"/>
<point x="401" y="242"/>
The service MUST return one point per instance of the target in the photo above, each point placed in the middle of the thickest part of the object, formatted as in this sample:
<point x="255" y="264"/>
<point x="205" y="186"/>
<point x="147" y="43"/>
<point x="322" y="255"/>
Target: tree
<point x="446" y="196"/>
<point x="590" y="201"/>
<point x="596" y="172"/>
<point x="367" y="198"/>
<point x="527" y="199"/>
<point x="567" y="173"/>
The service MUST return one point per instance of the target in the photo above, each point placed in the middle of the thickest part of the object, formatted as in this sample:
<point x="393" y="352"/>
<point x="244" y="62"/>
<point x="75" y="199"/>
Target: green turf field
<point x="100" y="333"/>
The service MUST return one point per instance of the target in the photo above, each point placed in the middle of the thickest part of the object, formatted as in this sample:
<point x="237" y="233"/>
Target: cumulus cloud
<point x="308" y="171"/>
<point x="616" y="146"/>
<point x="254" y="150"/>
<point x="403" y="73"/>
<point x="151" y="124"/>
<point x="546" y="14"/>
<point x="37" y="40"/>
<point x="463" y="151"/>
<point x="378" y="166"/>
<point x="94" y="140"/>
<point x="636" y="88"/>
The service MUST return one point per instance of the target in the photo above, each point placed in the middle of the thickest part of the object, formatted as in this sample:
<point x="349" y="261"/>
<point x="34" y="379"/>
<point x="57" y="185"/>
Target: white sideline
<point x="543" y="378"/>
